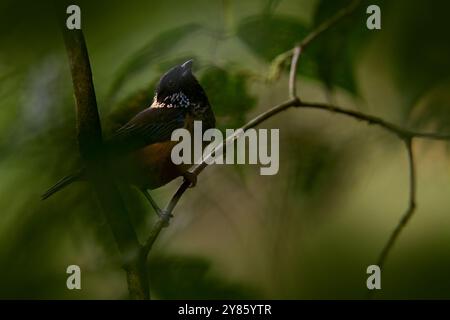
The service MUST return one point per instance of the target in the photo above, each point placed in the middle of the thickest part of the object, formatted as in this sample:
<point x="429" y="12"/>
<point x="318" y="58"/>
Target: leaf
<point x="330" y="58"/>
<point x="184" y="277"/>
<point x="270" y="35"/>
<point x="336" y="51"/>
<point x="432" y="109"/>
<point x="419" y="49"/>
<point x="228" y="94"/>
<point x="153" y="50"/>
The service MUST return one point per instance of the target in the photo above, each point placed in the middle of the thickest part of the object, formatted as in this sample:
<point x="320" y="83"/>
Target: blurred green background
<point x="308" y="232"/>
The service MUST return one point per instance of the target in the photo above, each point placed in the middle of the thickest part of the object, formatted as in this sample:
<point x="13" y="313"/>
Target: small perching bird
<point x="140" y="151"/>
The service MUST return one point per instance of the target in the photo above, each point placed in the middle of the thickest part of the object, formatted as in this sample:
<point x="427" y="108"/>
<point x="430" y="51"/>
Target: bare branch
<point x="327" y="24"/>
<point x="404" y="134"/>
<point x="411" y="206"/>
<point x="401" y="132"/>
<point x="314" y="34"/>
<point x="251" y="124"/>
<point x="162" y="221"/>
<point x="293" y="72"/>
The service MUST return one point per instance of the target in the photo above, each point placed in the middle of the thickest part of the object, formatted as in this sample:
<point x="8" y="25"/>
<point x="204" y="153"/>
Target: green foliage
<point x="432" y="109"/>
<point x="150" y="52"/>
<point x="330" y="58"/>
<point x="228" y="94"/>
<point x="333" y="50"/>
<point x="419" y="55"/>
<point x="269" y="35"/>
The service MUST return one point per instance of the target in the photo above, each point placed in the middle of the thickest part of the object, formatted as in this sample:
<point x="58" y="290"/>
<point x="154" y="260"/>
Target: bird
<point x="140" y="150"/>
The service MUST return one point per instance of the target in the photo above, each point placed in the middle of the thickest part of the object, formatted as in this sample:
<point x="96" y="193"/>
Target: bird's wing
<point x="147" y="127"/>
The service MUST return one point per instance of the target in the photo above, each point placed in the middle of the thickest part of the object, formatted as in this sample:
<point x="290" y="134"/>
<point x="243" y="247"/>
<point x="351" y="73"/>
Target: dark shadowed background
<point x="308" y="232"/>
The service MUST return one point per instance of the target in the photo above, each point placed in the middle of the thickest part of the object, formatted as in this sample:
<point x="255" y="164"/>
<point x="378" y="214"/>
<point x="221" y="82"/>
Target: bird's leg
<point x="151" y="201"/>
<point x="190" y="177"/>
<point x="159" y="212"/>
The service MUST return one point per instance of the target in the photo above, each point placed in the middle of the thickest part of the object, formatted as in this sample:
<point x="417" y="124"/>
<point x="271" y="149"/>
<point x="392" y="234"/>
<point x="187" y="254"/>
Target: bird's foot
<point x="165" y="217"/>
<point x="191" y="178"/>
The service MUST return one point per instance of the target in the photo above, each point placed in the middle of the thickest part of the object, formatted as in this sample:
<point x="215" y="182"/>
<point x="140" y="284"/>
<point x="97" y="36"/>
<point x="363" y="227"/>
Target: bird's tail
<point x="61" y="184"/>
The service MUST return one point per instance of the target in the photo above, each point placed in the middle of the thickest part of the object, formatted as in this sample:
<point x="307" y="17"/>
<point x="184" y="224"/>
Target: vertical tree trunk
<point x="90" y="142"/>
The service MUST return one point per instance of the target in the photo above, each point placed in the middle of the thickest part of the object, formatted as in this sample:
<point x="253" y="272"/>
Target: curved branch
<point x="313" y="35"/>
<point x="293" y="72"/>
<point x="163" y="221"/>
<point x="373" y="120"/>
<point x="327" y="24"/>
<point x="411" y="206"/>
<point x="404" y="134"/>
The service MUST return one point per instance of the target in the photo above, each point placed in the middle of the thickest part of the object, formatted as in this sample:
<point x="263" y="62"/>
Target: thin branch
<point x="327" y="24"/>
<point x="168" y="211"/>
<point x="251" y="124"/>
<point x="163" y="221"/>
<point x="411" y="206"/>
<point x="404" y="134"/>
<point x="294" y="102"/>
<point x="293" y="72"/>
<point x="370" y="119"/>
<point x="314" y="34"/>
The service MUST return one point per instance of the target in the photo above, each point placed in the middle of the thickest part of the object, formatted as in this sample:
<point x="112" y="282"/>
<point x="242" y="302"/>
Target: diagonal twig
<point x="409" y="211"/>
<point x="293" y="71"/>
<point x="327" y="24"/>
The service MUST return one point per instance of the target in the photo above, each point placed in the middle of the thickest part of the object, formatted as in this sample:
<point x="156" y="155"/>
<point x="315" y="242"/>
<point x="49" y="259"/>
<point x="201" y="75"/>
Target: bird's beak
<point x="187" y="65"/>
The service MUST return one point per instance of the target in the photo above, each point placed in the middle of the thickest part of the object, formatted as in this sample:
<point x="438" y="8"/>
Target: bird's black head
<point x="178" y="88"/>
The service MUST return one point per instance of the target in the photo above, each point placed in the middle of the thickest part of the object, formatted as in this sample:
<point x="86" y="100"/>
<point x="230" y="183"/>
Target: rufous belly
<point x="151" y="167"/>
